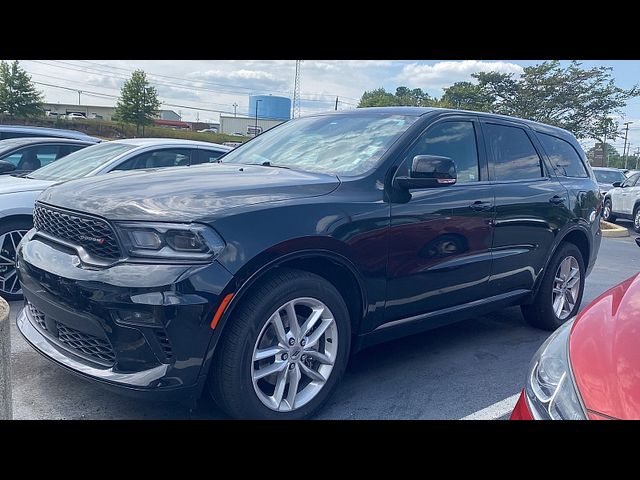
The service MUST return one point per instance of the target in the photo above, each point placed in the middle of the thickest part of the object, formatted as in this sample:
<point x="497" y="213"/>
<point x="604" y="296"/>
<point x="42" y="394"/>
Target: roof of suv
<point x="47" y="132"/>
<point x="419" y="111"/>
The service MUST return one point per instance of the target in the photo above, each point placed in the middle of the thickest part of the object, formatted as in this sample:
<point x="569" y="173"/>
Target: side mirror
<point x="616" y="184"/>
<point x="6" y="167"/>
<point x="429" y="171"/>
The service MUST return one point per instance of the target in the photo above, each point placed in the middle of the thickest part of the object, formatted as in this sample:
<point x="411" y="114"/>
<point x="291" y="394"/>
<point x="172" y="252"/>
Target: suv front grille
<point x="94" y="234"/>
<point x="97" y="349"/>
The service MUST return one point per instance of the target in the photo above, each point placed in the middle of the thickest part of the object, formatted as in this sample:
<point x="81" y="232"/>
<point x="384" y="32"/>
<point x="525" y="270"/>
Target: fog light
<point x="136" y="317"/>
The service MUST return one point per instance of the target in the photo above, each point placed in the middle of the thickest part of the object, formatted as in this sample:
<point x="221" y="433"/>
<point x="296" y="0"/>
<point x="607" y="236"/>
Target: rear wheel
<point x="636" y="219"/>
<point x="284" y="349"/>
<point x="11" y="232"/>
<point x="560" y="293"/>
<point x="607" y="213"/>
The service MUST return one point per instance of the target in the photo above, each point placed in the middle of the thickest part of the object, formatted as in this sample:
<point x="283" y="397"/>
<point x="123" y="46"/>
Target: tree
<point x="138" y="102"/>
<point x="18" y="94"/>
<point x="403" y="97"/>
<point x="583" y="101"/>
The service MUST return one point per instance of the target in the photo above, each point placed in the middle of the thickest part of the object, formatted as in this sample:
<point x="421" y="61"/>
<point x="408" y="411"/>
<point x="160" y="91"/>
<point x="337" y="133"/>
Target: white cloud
<point x="443" y="74"/>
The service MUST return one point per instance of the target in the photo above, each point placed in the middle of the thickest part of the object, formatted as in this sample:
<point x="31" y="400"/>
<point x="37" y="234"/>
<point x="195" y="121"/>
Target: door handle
<point x="557" y="200"/>
<point x="480" y="206"/>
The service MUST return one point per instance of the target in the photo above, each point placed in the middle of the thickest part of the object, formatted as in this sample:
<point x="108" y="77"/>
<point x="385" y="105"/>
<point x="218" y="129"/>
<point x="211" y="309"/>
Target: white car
<point x="74" y="116"/>
<point x="18" y="194"/>
<point x="623" y="201"/>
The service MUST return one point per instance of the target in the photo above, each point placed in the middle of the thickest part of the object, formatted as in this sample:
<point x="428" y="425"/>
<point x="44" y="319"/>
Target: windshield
<point x="334" y="144"/>
<point x="609" y="176"/>
<point x="80" y="163"/>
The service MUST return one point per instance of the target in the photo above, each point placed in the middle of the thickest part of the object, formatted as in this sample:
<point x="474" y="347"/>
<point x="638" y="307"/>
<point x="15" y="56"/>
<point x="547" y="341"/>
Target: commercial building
<point x="100" y="112"/>
<point x="265" y="110"/>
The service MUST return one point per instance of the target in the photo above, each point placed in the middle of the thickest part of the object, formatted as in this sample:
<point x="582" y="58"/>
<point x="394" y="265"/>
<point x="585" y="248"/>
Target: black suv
<point x="257" y="277"/>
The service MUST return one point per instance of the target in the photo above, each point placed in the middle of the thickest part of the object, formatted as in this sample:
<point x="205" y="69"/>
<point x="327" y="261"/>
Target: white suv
<point x="623" y="201"/>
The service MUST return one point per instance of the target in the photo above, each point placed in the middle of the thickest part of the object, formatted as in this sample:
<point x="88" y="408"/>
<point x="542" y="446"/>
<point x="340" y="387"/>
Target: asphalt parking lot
<point x="470" y="369"/>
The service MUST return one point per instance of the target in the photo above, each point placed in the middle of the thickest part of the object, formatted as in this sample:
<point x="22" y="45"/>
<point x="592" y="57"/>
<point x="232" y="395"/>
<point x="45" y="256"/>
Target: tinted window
<point x="631" y="181"/>
<point x="32" y="158"/>
<point x="609" y="176"/>
<point x="563" y="156"/>
<point x="208" y="156"/>
<point x="456" y="140"/>
<point x="514" y="156"/>
<point x="170" y="157"/>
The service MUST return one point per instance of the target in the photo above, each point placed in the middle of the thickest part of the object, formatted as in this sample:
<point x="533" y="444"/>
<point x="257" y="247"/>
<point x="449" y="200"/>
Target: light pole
<point x="235" y="105"/>
<point x="255" y="133"/>
<point x="624" y="149"/>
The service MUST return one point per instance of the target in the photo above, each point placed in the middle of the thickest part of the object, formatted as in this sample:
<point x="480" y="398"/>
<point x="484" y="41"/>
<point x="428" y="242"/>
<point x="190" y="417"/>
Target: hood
<point x="9" y="184"/>
<point x="604" y="353"/>
<point x="185" y="193"/>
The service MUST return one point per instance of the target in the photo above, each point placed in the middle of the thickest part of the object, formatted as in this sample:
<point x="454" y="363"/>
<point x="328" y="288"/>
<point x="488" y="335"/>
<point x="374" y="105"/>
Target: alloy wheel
<point x="607" y="210"/>
<point x="9" y="241"/>
<point x="566" y="287"/>
<point x="636" y="220"/>
<point x="294" y="354"/>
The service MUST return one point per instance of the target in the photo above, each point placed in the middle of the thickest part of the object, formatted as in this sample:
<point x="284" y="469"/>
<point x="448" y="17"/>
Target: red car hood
<point x="604" y="348"/>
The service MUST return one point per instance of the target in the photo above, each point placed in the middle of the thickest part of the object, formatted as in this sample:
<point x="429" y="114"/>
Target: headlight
<point x="170" y="241"/>
<point x="551" y="391"/>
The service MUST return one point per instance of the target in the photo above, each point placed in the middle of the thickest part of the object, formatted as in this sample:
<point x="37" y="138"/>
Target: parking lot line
<point x="495" y="411"/>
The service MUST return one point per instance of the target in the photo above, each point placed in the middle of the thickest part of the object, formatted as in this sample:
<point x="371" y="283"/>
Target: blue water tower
<point x="270" y="106"/>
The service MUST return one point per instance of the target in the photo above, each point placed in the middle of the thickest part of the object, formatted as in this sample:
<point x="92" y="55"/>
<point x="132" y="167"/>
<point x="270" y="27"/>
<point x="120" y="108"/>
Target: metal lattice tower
<point x="296" y="91"/>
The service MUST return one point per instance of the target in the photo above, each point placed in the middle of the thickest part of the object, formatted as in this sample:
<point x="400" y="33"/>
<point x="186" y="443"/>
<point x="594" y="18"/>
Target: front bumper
<point x="139" y="328"/>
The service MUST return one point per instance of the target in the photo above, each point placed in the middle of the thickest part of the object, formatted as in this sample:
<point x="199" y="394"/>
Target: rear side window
<point x="514" y="156"/>
<point x="563" y="156"/>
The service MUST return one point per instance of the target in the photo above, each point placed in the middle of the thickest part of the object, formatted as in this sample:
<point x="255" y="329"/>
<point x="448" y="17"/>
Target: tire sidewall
<point x="565" y="250"/>
<point x="607" y="202"/>
<point x="636" y="213"/>
<point x="11" y="225"/>
<point x="304" y="288"/>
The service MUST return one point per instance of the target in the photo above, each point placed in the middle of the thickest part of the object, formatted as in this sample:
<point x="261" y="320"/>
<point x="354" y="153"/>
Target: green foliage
<point x="576" y="99"/>
<point x="403" y="97"/>
<point x="18" y="94"/>
<point x="138" y="103"/>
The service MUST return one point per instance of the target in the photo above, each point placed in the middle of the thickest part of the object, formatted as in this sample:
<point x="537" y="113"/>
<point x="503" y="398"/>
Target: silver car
<point x="18" y="194"/>
<point x="623" y="201"/>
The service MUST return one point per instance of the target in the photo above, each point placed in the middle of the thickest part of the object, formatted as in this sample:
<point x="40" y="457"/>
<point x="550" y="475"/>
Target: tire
<point x="608" y="217"/>
<point x="541" y="313"/>
<point x="636" y="219"/>
<point x="231" y="380"/>
<point x="11" y="231"/>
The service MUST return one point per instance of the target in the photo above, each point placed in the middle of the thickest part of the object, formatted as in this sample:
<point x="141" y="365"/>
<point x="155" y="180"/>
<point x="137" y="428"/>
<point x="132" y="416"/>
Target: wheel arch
<point x="332" y="266"/>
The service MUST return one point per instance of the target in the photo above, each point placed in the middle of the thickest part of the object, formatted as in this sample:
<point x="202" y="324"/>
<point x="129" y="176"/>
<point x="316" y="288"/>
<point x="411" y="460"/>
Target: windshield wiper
<point x="269" y="164"/>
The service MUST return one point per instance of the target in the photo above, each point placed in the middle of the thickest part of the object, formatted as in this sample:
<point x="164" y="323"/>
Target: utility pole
<point x="637" y="156"/>
<point x="624" y="149"/>
<point x="235" y="106"/>
<point x="296" y="91"/>
<point x="336" y="103"/>
<point x="604" y="144"/>
<point x="255" y="134"/>
<point x="79" y="92"/>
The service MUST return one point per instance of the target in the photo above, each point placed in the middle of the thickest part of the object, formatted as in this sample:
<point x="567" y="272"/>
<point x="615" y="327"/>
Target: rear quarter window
<point x="565" y="159"/>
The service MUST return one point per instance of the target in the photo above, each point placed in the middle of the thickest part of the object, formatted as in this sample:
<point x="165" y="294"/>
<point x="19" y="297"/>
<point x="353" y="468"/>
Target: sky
<point x="215" y="85"/>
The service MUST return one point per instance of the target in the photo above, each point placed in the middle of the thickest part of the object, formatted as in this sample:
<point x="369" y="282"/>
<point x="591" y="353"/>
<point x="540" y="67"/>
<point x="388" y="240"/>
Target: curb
<point x="5" y="363"/>
<point x="613" y="230"/>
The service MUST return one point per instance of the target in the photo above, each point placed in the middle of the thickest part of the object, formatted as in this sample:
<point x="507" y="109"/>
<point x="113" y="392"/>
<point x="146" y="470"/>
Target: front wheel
<point x="284" y="349"/>
<point x="636" y="219"/>
<point x="11" y="232"/>
<point x="560" y="293"/>
<point x="607" y="213"/>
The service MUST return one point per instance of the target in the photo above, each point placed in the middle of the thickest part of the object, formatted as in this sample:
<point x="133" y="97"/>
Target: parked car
<point x="208" y="130"/>
<point x="606" y="177"/>
<point x="18" y="194"/>
<point x="623" y="201"/>
<point x="18" y="131"/>
<point x="75" y="116"/>
<point x="19" y="156"/>
<point x="628" y="173"/>
<point x="588" y="368"/>
<point x="257" y="277"/>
